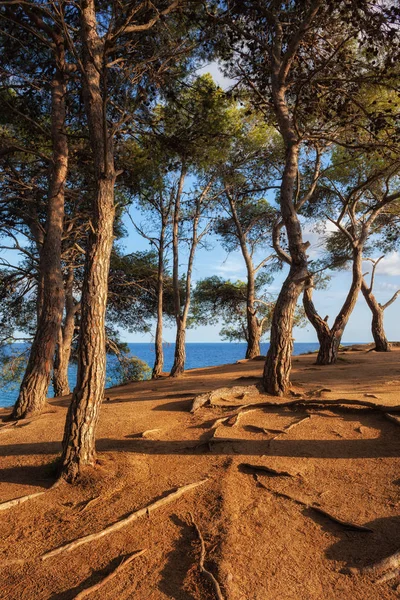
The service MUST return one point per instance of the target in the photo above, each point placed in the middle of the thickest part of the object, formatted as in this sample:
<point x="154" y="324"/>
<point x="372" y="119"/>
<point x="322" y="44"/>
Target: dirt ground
<point x="261" y="542"/>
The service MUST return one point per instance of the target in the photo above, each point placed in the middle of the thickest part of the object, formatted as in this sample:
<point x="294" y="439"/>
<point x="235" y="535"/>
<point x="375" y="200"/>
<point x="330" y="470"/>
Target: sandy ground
<point x="260" y="544"/>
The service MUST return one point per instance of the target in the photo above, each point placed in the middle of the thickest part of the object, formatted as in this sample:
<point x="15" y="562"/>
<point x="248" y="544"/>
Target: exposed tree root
<point x="171" y="497"/>
<point x="8" y="426"/>
<point x="317" y="509"/>
<point x="147" y="433"/>
<point x="265" y="430"/>
<point x="266" y="470"/>
<point x="100" y="584"/>
<point x="392" y="418"/>
<point x="388" y="576"/>
<point x="17" y="501"/>
<point x="237" y="391"/>
<point x="102" y="497"/>
<point x="208" y="574"/>
<point x="391" y="563"/>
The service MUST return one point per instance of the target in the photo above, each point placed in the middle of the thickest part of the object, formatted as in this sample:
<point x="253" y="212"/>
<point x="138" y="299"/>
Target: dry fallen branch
<point x="208" y="574"/>
<point x="266" y="470"/>
<point x="171" y="497"/>
<point x="100" y="584"/>
<point x="391" y="562"/>
<point x="317" y="509"/>
<point x="17" y="501"/>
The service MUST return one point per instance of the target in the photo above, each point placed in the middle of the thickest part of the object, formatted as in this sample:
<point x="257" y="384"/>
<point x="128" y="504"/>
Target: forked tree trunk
<point x="159" y="353"/>
<point x="34" y="386"/>
<point x="377" y="327"/>
<point x="331" y="337"/>
<point x="83" y="413"/>
<point x="65" y="338"/>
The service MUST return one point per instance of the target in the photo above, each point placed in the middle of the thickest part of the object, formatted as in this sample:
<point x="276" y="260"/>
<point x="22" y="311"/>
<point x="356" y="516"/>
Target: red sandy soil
<point x="259" y="545"/>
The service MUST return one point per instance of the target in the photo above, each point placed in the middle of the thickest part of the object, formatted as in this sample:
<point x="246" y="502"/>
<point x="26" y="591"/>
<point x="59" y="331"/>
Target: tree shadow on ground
<point x="94" y="578"/>
<point x="179" y="562"/>
<point x="361" y="550"/>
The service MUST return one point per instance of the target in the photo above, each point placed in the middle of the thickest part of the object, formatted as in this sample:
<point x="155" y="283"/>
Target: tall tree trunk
<point x="80" y="427"/>
<point x="330" y="338"/>
<point x="377" y="327"/>
<point x="65" y="338"/>
<point x="159" y="358"/>
<point x="34" y="386"/>
<point x="253" y="330"/>
<point x="278" y="363"/>
<point x="181" y="321"/>
<point x="179" y="357"/>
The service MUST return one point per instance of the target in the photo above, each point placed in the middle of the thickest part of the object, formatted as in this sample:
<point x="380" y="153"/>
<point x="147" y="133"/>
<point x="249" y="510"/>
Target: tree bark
<point x="180" y="348"/>
<point x="253" y="330"/>
<point x="34" y="386"/>
<point x="276" y="378"/>
<point x="180" y="353"/>
<point x="254" y="333"/>
<point x="159" y="353"/>
<point x="377" y="327"/>
<point x="278" y="363"/>
<point x="65" y="338"/>
<point x="79" y="434"/>
<point x="330" y="338"/>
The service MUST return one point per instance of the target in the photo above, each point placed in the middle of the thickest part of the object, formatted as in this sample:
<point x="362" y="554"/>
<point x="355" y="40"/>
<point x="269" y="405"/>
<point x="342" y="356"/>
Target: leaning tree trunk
<point x="159" y="358"/>
<point x="65" y="338"/>
<point x="377" y="327"/>
<point x="83" y="413"/>
<point x="34" y="386"/>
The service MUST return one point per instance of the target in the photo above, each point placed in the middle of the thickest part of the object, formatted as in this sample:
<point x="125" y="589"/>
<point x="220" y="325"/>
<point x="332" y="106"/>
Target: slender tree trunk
<point x="66" y="334"/>
<point x="34" y="386"/>
<point x="253" y="331"/>
<point x="79" y="434"/>
<point x="159" y="358"/>
<point x="180" y="355"/>
<point x="377" y="327"/>
<point x="254" y="334"/>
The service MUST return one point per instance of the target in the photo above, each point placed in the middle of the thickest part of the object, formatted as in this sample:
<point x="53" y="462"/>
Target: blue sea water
<point x="197" y="355"/>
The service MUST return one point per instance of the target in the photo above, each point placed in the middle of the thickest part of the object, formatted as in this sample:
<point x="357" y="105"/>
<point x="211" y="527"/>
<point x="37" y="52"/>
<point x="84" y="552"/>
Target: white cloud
<point x="390" y="265"/>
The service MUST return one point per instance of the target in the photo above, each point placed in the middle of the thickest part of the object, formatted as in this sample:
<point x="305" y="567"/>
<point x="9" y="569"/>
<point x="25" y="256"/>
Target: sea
<point x="197" y="355"/>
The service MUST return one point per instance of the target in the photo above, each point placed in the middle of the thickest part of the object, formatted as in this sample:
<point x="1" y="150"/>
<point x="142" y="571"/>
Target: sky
<point x="328" y="302"/>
